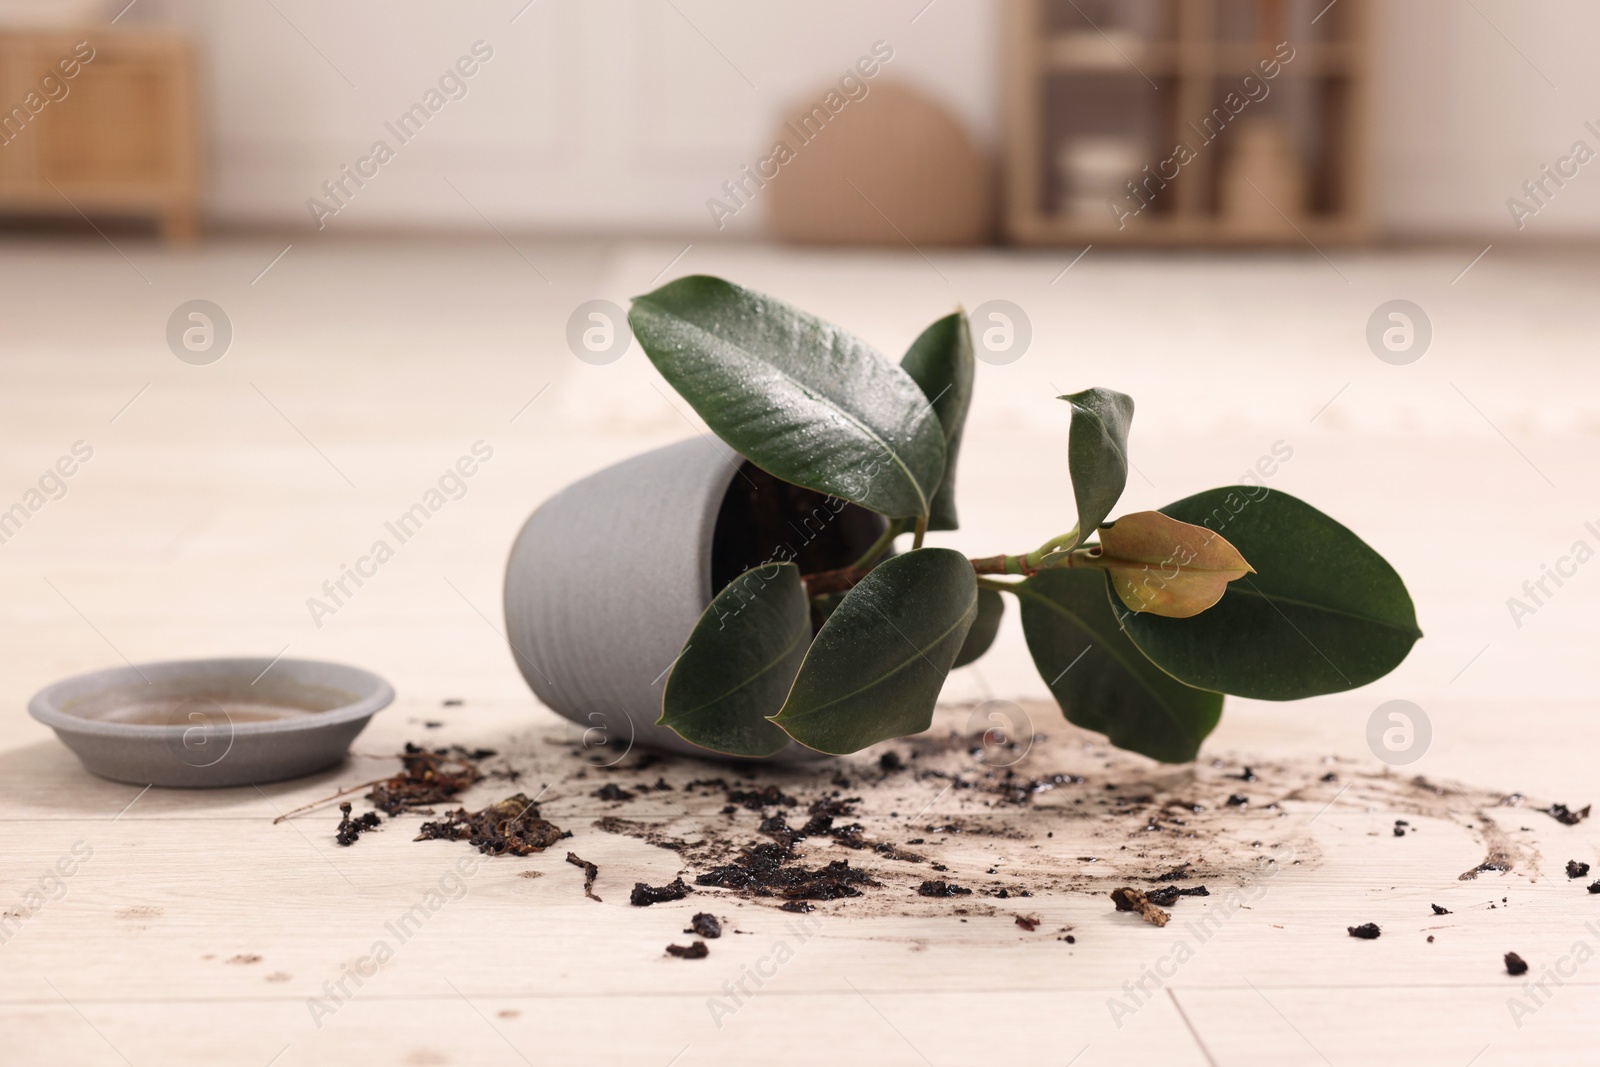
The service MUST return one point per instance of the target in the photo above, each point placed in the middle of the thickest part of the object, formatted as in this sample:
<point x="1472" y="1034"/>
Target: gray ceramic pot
<point x="609" y="576"/>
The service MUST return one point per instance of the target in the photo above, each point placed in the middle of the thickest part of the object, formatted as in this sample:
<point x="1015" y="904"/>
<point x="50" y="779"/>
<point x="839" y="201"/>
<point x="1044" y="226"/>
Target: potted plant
<point x="652" y="598"/>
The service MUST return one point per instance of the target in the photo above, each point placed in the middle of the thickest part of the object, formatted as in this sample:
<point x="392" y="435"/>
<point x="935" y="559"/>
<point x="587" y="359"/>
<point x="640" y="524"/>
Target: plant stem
<point x="895" y="528"/>
<point x="922" y="528"/>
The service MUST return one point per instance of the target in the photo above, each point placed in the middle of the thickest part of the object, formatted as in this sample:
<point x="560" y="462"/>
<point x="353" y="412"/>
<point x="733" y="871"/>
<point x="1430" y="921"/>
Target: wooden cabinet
<point x="99" y="123"/>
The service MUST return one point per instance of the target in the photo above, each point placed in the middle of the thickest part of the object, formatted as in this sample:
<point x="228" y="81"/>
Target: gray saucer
<point x="212" y="722"/>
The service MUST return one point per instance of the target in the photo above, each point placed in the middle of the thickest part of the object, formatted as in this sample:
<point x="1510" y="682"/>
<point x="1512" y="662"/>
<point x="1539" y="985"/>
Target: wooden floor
<point x="193" y="929"/>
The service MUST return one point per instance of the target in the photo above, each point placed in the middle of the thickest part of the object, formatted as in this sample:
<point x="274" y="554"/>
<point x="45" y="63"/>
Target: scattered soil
<point x="869" y="832"/>
<point x="1515" y="965"/>
<point x="512" y="826"/>
<point x="1437" y="910"/>
<point x="590" y="873"/>
<point x="1565" y="815"/>
<point x="244" y="957"/>
<point x="1576" y="869"/>
<point x="428" y="776"/>
<point x="645" y="895"/>
<point x="1028" y="922"/>
<point x="350" y="829"/>
<point x="706" y="925"/>
<point x="1130" y="899"/>
<point x="1366" y="931"/>
<point x="695" y="951"/>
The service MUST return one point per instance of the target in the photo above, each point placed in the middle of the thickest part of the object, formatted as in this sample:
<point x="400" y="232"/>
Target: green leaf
<point x="991" y="608"/>
<point x="1324" y="612"/>
<point x="798" y="397"/>
<point x="878" y="663"/>
<point x="1097" y="454"/>
<point x="1102" y="682"/>
<point x="940" y="362"/>
<point x="739" y="662"/>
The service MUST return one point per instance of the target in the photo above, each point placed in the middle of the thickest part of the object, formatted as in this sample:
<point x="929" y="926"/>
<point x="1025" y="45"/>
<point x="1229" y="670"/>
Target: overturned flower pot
<point x="609" y="576"/>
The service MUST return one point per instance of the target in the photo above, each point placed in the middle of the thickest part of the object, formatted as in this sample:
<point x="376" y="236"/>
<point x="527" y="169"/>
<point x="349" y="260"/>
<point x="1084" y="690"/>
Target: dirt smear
<point x="880" y="832"/>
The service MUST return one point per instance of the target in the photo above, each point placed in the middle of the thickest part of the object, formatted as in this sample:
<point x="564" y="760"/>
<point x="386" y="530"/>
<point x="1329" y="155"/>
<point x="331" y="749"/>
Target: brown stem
<point x="834" y="581"/>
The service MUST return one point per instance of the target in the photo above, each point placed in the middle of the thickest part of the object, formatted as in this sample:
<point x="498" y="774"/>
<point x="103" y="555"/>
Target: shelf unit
<point x="1146" y="77"/>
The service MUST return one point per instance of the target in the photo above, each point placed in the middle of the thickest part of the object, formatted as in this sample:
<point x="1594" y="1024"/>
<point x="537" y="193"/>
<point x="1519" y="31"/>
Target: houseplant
<point x="1138" y="625"/>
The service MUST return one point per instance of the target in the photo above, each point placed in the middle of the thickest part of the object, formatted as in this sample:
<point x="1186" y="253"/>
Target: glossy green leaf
<point x="1097" y="454"/>
<point x="798" y="397"/>
<point x="1102" y="682"/>
<point x="875" y="669"/>
<point x="940" y="362"/>
<point x="739" y="662"/>
<point x="991" y="609"/>
<point x="1323" y="613"/>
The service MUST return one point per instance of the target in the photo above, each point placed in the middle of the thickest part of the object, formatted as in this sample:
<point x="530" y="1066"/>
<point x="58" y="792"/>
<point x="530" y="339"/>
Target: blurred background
<point x="279" y="263"/>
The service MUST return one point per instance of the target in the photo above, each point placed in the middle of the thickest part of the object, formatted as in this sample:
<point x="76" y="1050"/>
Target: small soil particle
<point x="1515" y="964"/>
<point x="1565" y="815"/>
<point x="1399" y="831"/>
<point x="1129" y="899"/>
<point x="613" y="791"/>
<point x="1595" y="888"/>
<point x="244" y="957"/>
<point x="1438" y="910"/>
<point x="1177" y="874"/>
<point x="1366" y="931"/>
<point x="695" y="951"/>
<point x="936" y="888"/>
<point x="645" y="895"/>
<point x="1576" y="869"/>
<point x="1168" y="895"/>
<point x="798" y="906"/>
<point x="1236" y="800"/>
<point x="891" y="762"/>
<point x="706" y="925"/>
<point x="350" y="829"/>
<point x="510" y="826"/>
<point x="590" y="873"/>
<point x="1430" y="939"/>
<point x="1028" y="922"/>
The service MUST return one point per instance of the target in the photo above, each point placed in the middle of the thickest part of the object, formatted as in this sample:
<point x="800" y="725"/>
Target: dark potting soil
<point x="764" y="520"/>
<point x="1576" y="869"/>
<point x="1565" y="815"/>
<point x="695" y="951"/>
<point x="613" y="791"/>
<point x="350" y="829"/>
<point x="768" y="869"/>
<point x="1366" y="931"/>
<point x="510" y="827"/>
<point x="645" y="895"/>
<point x="428" y="776"/>
<point x="1437" y="910"/>
<point x="1516" y="965"/>
<point x="1168" y="895"/>
<point x="706" y="925"/>
<point x="937" y="888"/>
<point x="1127" y="898"/>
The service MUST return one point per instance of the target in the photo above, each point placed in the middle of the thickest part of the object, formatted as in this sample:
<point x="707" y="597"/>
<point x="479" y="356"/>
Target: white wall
<point x="625" y="115"/>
